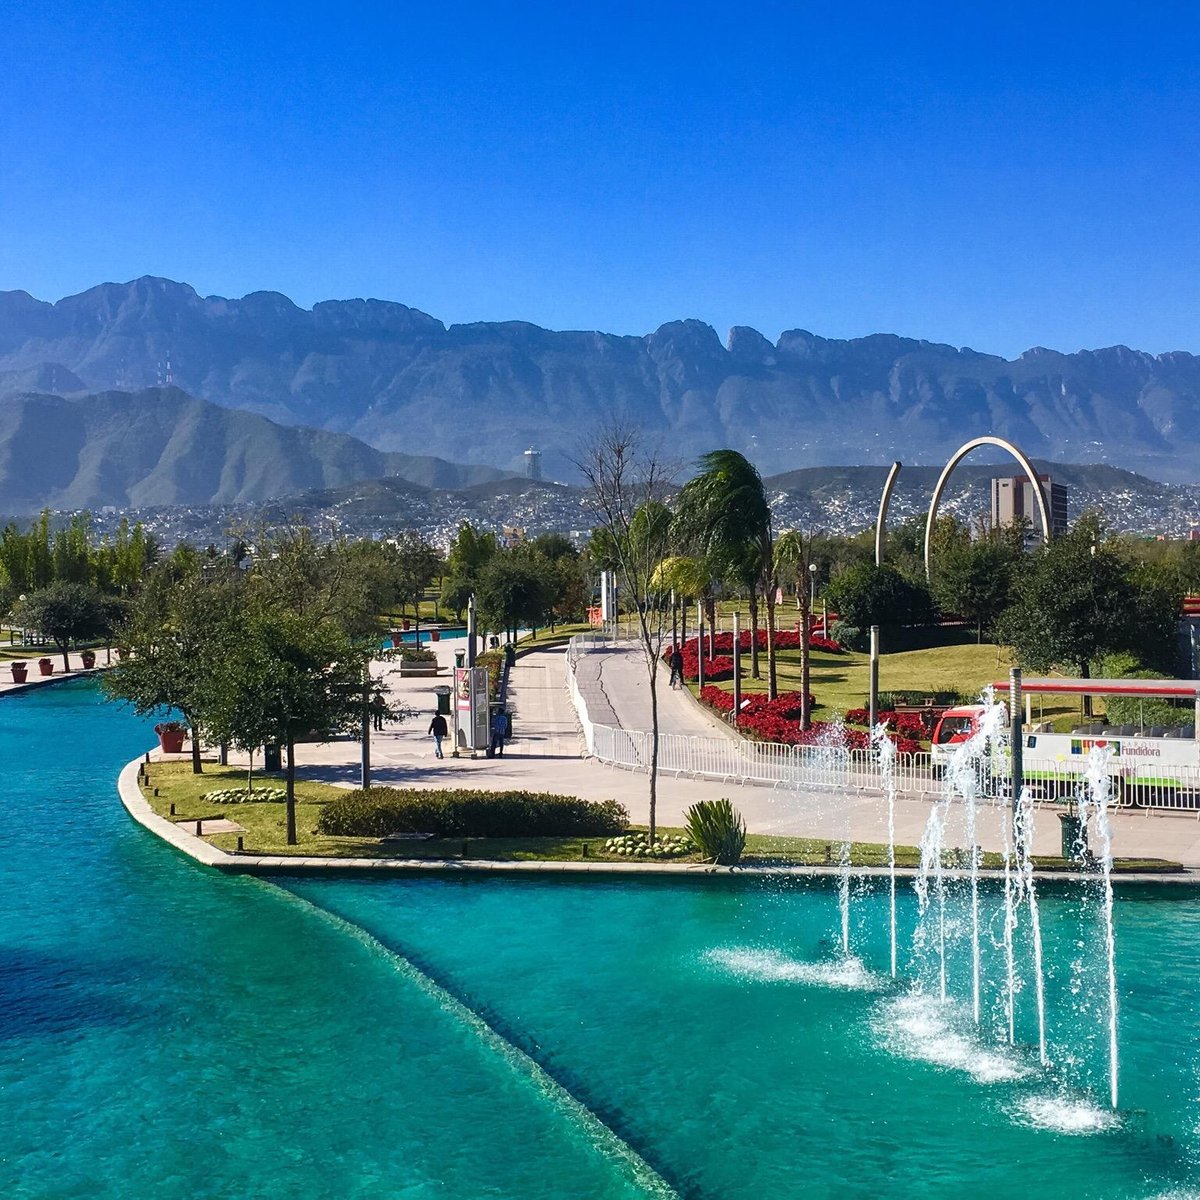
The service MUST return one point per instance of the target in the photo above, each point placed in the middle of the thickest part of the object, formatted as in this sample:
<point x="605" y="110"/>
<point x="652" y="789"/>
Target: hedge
<point x="378" y="812"/>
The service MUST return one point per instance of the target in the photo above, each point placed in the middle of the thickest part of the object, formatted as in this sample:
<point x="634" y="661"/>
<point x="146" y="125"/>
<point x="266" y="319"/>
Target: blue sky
<point x="998" y="176"/>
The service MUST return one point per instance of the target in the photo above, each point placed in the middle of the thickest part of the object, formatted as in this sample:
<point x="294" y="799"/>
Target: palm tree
<point x="793" y="554"/>
<point x="723" y="514"/>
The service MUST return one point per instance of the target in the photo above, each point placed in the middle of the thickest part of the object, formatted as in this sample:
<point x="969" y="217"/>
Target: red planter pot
<point x="435" y="635"/>
<point x="171" y="740"/>
<point x="89" y="659"/>
<point x="20" y="672"/>
<point x="45" y="666"/>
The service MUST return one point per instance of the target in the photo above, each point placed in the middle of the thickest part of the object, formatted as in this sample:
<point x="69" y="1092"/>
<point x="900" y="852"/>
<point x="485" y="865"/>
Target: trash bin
<point x="272" y="758"/>
<point x="1074" y="849"/>
<point x="460" y="658"/>
<point x="443" y="699"/>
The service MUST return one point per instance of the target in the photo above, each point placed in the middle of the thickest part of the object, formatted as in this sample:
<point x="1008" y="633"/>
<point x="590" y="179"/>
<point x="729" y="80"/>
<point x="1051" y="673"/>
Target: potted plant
<point x="122" y="652"/>
<point x="89" y="659"/>
<point x="46" y="666"/>
<point x="20" y="671"/>
<point x="170" y="736"/>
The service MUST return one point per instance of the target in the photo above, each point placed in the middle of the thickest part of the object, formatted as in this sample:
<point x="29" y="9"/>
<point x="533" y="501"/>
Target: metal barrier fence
<point x="738" y="760"/>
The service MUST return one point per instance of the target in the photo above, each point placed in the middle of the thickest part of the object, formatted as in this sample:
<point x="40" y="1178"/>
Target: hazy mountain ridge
<point x="400" y="379"/>
<point x="162" y="447"/>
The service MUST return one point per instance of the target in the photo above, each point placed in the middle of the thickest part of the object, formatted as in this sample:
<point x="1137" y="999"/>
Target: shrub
<point x="417" y="654"/>
<point x="260" y="795"/>
<point x="718" y="829"/>
<point x="378" y="812"/>
<point x="637" y="845"/>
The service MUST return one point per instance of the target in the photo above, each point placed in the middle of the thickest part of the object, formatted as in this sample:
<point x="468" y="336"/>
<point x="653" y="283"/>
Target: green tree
<point x="415" y="564"/>
<point x="469" y="553"/>
<point x="867" y="595"/>
<point x="182" y="630"/>
<point x="974" y="580"/>
<point x="288" y="675"/>
<point x="513" y="591"/>
<point x="66" y="613"/>
<point x="723" y="514"/>
<point x="1078" y="598"/>
<point x="793" y="557"/>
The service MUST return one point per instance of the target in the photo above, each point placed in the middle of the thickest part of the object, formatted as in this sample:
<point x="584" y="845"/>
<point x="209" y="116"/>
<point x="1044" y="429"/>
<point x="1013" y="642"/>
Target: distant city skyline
<point x="994" y="181"/>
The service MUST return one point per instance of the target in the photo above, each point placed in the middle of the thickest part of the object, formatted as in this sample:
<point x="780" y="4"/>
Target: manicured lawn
<point x="265" y="831"/>
<point x="842" y="681"/>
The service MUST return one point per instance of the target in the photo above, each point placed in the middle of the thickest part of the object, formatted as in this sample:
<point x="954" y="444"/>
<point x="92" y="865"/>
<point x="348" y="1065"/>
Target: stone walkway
<point x="35" y="679"/>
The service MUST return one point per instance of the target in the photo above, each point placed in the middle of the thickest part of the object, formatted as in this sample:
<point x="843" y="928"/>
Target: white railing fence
<point x="738" y="760"/>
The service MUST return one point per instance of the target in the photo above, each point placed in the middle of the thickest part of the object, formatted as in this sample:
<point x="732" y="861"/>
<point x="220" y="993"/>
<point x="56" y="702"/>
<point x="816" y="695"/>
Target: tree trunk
<point x="64" y="647"/>
<point x="653" y="747"/>
<point x="197" y="766"/>
<point x="754" y="671"/>
<point x="772" y="681"/>
<point x="250" y="775"/>
<point x="291" y="788"/>
<point x="710" y="610"/>
<point x="805" y="663"/>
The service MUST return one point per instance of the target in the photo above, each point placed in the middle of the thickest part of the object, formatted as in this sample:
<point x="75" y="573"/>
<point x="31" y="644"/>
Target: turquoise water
<point x="168" y="1032"/>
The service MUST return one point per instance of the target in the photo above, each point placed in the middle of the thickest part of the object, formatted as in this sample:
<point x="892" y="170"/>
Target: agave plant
<point x="718" y="829"/>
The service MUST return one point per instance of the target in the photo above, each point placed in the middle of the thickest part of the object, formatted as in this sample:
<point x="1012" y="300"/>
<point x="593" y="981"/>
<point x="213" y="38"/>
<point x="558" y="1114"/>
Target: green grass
<point x="266" y="832"/>
<point x="842" y="681"/>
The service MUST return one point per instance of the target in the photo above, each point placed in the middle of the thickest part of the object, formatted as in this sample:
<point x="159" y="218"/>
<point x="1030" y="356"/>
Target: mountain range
<point x="163" y="447"/>
<point x="402" y="381"/>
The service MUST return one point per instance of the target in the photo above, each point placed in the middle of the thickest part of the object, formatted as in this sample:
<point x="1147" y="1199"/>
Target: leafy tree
<point x="66" y="613"/>
<point x="289" y="675"/>
<point x="974" y="580"/>
<point x="415" y="564"/>
<point x="868" y="595"/>
<point x="469" y="553"/>
<point x="793" y="556"/>
<point x="723" y="514"/>
<point x="182" y="630"/>
<point x="1078" y="598"/>
<point x="513" y="591"/>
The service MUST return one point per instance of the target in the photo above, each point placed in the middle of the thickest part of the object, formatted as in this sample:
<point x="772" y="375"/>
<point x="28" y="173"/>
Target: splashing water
<point x="1023" y="830"/>
<point x="886" y="749"/>
<point x="774" y="967"/>
<point x="833" y="761"/>
<point x="1093" y="809"/>
<point x="971" y="774"/>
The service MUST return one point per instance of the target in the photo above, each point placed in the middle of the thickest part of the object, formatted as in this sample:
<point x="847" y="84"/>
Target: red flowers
<point x="720" y="647"/>
<point x="906" y="724"/>
<point x="778" y="720"/>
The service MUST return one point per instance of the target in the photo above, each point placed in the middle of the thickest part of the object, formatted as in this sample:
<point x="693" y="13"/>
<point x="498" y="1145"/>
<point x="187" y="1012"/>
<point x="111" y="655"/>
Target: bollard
<point x="156" y="791"/>
<point x="464" y="849"/>
<point x="146" y="760"/>
<point x="172" y="808"/>
<point x="199" y="828"/>
<point x="241" y="847"/>
<point x="585" y="850"/>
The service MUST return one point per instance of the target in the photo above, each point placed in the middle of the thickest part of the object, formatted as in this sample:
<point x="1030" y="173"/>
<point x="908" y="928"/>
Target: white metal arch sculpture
<point x="958" y="456"/>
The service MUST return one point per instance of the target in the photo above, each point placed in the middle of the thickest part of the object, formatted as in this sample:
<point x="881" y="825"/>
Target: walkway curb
<point x="282" y="864"/>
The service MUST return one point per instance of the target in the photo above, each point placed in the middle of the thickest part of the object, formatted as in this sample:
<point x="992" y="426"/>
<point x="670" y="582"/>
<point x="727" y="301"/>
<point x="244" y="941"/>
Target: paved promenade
<point x="547" y="754"/>
<point x="35" y="679"/>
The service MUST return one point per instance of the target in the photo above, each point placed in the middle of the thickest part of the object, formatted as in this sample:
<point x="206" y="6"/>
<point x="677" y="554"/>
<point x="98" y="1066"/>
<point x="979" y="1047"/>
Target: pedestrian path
<point x="547" y="754"/>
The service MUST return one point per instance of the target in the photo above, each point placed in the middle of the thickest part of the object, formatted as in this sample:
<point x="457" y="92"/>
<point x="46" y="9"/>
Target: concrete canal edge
<point x="197" y="849"/>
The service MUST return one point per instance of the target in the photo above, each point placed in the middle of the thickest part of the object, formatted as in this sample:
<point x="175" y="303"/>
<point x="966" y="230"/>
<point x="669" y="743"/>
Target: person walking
<point x="439" y="729"/>
<point x="499" y="731"/>
<point x="676" y="667"/>
<point x="378" y="709"/>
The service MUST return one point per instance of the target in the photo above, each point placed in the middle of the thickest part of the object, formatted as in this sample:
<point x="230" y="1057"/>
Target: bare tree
<point x="628" y="485"/>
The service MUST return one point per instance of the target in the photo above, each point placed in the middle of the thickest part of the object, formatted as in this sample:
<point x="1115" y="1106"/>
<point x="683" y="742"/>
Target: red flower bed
<point x="905" y="724"/>
<point x="720" y="647"/>
<point x="778" y="720"/>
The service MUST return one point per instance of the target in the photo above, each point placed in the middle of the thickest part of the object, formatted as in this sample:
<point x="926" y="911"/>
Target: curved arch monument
<point x="957" y="457"/>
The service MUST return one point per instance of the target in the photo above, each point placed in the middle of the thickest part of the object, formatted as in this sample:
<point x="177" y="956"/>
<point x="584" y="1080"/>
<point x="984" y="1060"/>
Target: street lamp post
<point x="812" y="587"/>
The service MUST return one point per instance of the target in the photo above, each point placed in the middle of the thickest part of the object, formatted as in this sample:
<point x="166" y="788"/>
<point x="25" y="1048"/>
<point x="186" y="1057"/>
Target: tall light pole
<point x="812" y="587"/>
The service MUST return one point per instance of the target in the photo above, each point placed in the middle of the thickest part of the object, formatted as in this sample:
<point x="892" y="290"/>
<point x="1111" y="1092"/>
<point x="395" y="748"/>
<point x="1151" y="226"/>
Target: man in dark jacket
<point x="439" y="729"/>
